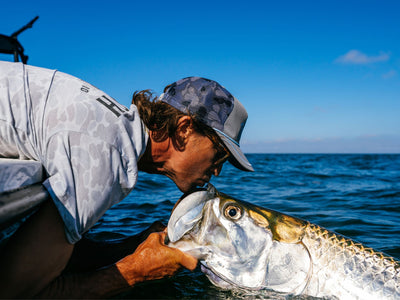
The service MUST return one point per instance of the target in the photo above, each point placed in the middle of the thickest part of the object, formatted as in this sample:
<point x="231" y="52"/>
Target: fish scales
<point x="248" y="247"/>
<point x="353" y="264"/>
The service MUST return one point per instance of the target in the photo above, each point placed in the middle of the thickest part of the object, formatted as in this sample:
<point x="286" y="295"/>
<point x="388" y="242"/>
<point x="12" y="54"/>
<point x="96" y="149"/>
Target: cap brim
<point x="238" y="159"/>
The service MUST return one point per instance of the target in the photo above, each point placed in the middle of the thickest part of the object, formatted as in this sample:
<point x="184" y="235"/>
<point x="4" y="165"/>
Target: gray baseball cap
<point x="213" y="105"/>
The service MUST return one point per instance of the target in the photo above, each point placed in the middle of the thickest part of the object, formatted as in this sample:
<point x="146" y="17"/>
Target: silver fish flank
<point x="241" y="245"/>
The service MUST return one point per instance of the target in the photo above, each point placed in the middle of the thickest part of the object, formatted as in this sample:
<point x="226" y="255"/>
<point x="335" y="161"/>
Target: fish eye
<point x="233" y="212"/>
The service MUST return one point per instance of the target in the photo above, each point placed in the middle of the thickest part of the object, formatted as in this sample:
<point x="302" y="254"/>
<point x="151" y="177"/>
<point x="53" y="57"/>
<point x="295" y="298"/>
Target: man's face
<point x="194" y="166"/>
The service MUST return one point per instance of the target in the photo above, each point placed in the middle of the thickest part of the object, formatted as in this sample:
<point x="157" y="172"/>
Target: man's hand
<point x="37" y="254"/>
<point x="154" y="260"/>
<point x="151" y="260"/>
<point x="90" y="254"/>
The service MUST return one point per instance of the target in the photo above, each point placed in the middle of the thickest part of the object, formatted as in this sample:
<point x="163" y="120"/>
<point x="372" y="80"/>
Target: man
<point x="92" y="149"/>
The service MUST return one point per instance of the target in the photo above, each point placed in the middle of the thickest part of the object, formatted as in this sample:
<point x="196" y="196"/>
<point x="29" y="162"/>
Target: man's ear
<point x="183" y="131"/>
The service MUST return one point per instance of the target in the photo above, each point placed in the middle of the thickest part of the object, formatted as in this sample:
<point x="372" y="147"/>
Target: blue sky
<point x="315" y="76"/>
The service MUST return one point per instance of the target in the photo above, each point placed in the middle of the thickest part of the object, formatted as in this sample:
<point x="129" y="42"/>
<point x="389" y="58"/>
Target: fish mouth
<point x="188" y="211"/>
<point x="191" y="191"/>
<point x="221" y="281"/>
<point x="215" y="278"/>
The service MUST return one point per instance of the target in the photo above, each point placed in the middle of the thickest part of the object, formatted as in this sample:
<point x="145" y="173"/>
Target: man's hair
<point x="162" y="118"/>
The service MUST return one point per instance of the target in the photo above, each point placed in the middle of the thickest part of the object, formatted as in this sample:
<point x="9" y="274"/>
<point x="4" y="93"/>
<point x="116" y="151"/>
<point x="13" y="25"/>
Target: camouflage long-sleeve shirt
<point x="88" y="143"/>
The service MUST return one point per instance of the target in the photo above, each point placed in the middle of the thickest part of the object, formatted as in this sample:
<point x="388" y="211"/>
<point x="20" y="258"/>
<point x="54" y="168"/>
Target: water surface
<point x="354" y="195"/>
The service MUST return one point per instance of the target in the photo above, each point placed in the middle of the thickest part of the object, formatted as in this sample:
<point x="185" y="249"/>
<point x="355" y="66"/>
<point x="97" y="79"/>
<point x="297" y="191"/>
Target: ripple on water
<point x="355" y="195"/>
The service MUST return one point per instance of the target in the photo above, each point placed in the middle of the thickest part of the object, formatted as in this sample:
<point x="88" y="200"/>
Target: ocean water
<point x="355" y="195"/>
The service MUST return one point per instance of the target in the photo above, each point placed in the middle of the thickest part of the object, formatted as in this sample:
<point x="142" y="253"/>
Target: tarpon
<point x="241" y="245"/>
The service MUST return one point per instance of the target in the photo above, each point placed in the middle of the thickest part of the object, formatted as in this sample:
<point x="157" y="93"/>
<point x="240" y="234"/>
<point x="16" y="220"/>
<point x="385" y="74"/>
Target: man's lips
<point x="198" y="185"/>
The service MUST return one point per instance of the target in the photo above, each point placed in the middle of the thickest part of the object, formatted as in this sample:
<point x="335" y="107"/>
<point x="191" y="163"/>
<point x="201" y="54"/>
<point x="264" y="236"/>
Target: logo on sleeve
<point x="85" y="89"/>
<point x="112" y="105"/>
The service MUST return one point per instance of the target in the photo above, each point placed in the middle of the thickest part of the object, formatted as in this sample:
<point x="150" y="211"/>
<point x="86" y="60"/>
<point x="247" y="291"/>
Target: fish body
<point x="241" y="245"/>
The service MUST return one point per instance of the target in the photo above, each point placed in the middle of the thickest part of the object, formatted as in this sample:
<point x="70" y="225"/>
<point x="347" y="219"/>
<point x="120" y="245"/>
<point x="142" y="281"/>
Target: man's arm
<point x="34" y="258"/>
<point x="151" y="260"/>
<point x="102" y="283"/>
<point x="89" y="254"/>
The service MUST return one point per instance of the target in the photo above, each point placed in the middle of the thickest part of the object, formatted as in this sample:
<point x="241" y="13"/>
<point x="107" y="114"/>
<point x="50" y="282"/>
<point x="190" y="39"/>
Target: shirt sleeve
<point x="86" y="177"/>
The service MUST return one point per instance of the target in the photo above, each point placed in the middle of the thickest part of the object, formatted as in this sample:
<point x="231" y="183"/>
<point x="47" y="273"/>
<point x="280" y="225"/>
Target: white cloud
<point x="359" y="58"/>
<point x="390" y="74"/>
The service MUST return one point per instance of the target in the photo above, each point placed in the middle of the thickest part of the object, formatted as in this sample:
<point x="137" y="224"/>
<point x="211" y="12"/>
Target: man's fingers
<point x="162" y="236"/>
<point x="189" y="262"/>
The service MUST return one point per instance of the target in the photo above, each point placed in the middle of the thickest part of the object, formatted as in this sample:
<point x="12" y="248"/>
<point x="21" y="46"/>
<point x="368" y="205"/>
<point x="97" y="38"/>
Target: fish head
<point x="237" y="243"/>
